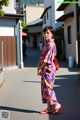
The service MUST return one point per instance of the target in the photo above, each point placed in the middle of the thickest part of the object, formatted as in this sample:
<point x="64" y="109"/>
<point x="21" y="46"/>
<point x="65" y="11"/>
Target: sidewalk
<point x="20" y="93"/>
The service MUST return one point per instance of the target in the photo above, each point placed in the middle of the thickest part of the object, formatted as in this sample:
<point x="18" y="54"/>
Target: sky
<point x="57" y="4"/>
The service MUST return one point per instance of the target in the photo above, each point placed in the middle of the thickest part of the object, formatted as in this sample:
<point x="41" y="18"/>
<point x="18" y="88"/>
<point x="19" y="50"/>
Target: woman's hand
<point x="39" y="72"/>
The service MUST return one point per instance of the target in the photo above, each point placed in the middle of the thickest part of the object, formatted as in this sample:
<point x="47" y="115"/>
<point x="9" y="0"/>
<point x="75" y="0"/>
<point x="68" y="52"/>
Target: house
<point x="35" y="33"/>
<point x="71" y="19"/>
<point x="32" y="19"/>
<point x="11" y="38"/>
<point x="50" y="14"/>
<point x="49" y="17"/>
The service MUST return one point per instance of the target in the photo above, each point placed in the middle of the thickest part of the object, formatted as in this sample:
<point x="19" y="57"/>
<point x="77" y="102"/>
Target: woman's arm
<point x="42" y="65"/>
<point x="39" y="71"/>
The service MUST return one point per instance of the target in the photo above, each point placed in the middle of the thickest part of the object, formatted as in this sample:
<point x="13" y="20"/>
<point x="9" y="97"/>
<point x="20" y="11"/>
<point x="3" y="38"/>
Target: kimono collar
<point x="52" y="40"/>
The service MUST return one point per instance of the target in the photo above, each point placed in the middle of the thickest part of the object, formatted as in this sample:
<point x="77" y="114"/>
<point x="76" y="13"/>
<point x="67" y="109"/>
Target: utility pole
<point x="19" y="10"/>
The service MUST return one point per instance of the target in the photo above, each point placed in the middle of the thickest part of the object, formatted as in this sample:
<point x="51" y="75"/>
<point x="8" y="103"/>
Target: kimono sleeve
<point x="50" y="54"/>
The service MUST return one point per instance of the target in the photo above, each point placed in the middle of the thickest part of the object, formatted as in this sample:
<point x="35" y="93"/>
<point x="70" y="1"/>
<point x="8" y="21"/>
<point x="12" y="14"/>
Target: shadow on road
<point x="32" y="81"/>
<point x="32" y="58"/>
<point x="67" y="92"/>
<point x="18" y="109"/>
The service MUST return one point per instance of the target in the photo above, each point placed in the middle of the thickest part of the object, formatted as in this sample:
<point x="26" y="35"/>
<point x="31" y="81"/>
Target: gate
<point x="8" y="53"/>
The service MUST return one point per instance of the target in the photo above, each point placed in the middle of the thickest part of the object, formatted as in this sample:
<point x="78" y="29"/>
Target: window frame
<point x="69" y="34"/>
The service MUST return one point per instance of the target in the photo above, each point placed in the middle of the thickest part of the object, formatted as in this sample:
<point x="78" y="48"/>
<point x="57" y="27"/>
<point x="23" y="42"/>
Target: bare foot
<point x="57" y="105"/>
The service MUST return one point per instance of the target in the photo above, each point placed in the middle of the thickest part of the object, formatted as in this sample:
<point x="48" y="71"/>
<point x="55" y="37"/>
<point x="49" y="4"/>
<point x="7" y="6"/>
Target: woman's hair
<point x="49" y="28"/>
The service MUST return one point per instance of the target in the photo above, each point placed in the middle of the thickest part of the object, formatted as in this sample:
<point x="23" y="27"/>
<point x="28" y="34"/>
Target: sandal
<point x="56" y="110"/>
<point x="45" y="112"/>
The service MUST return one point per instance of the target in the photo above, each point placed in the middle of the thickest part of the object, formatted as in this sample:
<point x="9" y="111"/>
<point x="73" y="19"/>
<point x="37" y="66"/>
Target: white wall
<point x="6" y="31"/>
<point x="10" y="8"/>
<point x="71" y="49"/>
<point x="53" y="13"/>
<point x="39" y="36"/>
<point x="33" y="12"/>
<point x="49" y="20"/>
<point x="7" y="27"/>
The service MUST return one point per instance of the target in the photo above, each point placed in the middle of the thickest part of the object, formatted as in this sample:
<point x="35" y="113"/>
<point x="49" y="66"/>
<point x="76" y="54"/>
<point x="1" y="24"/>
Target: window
<point x="47" y="15"/>
<point x="69" y="34"/>
<point x="44" y="19"/>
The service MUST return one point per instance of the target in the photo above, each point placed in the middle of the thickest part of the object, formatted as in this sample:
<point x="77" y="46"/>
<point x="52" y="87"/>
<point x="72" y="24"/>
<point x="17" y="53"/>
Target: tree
<point x="3" y="3"/>
<point x="24" y="29"/>
<point x="24" y="26"/>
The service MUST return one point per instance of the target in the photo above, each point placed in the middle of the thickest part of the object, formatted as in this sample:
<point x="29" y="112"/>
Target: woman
<point x="47" y="70"/>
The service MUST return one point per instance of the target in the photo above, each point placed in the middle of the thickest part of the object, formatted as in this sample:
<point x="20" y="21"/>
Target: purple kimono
<point x="48" y="73"/>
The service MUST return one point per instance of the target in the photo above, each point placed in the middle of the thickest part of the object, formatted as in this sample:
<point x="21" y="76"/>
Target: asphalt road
<point x="20" y="95"/>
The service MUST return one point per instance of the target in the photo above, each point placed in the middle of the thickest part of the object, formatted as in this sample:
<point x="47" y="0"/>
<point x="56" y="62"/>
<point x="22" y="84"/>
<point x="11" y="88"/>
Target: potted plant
<point x="1" y="77"/>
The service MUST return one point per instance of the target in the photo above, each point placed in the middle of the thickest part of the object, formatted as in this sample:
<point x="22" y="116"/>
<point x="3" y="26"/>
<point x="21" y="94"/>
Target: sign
<point x="4" y="115"/>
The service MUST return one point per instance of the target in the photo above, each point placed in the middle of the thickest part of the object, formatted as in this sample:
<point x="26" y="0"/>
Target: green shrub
<point x="3" y="3"/>
<point x="2" y="12"/>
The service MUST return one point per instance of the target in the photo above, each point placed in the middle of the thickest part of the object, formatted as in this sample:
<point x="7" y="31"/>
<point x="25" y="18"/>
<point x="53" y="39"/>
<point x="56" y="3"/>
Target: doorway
<point x="34" y="41"/>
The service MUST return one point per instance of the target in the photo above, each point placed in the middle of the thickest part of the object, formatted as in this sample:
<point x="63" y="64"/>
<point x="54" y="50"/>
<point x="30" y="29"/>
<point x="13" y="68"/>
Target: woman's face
<point x="47" y="35"/>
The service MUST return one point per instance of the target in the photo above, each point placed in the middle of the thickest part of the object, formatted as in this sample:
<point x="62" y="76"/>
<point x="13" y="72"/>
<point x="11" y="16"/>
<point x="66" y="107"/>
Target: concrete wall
<point x="53" y="14"/>
<point x="49" y="20"/>
<point x="71" y="49"/>
<point x="8" y="26"/>
<point x="33" y="12"/>
<point x="69" y="8"/>
<point x="35" y="29"/>
<point x="8" y="31"/>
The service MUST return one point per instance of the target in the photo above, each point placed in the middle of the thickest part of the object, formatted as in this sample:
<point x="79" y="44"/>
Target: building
<point x="32" y="19"/>
<point x="71" y="19"/>
<point x="50" y="14"/>
<point x="11" y="38"/>
<point x="35" y="33"/>
<point x="49" y="17"/>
